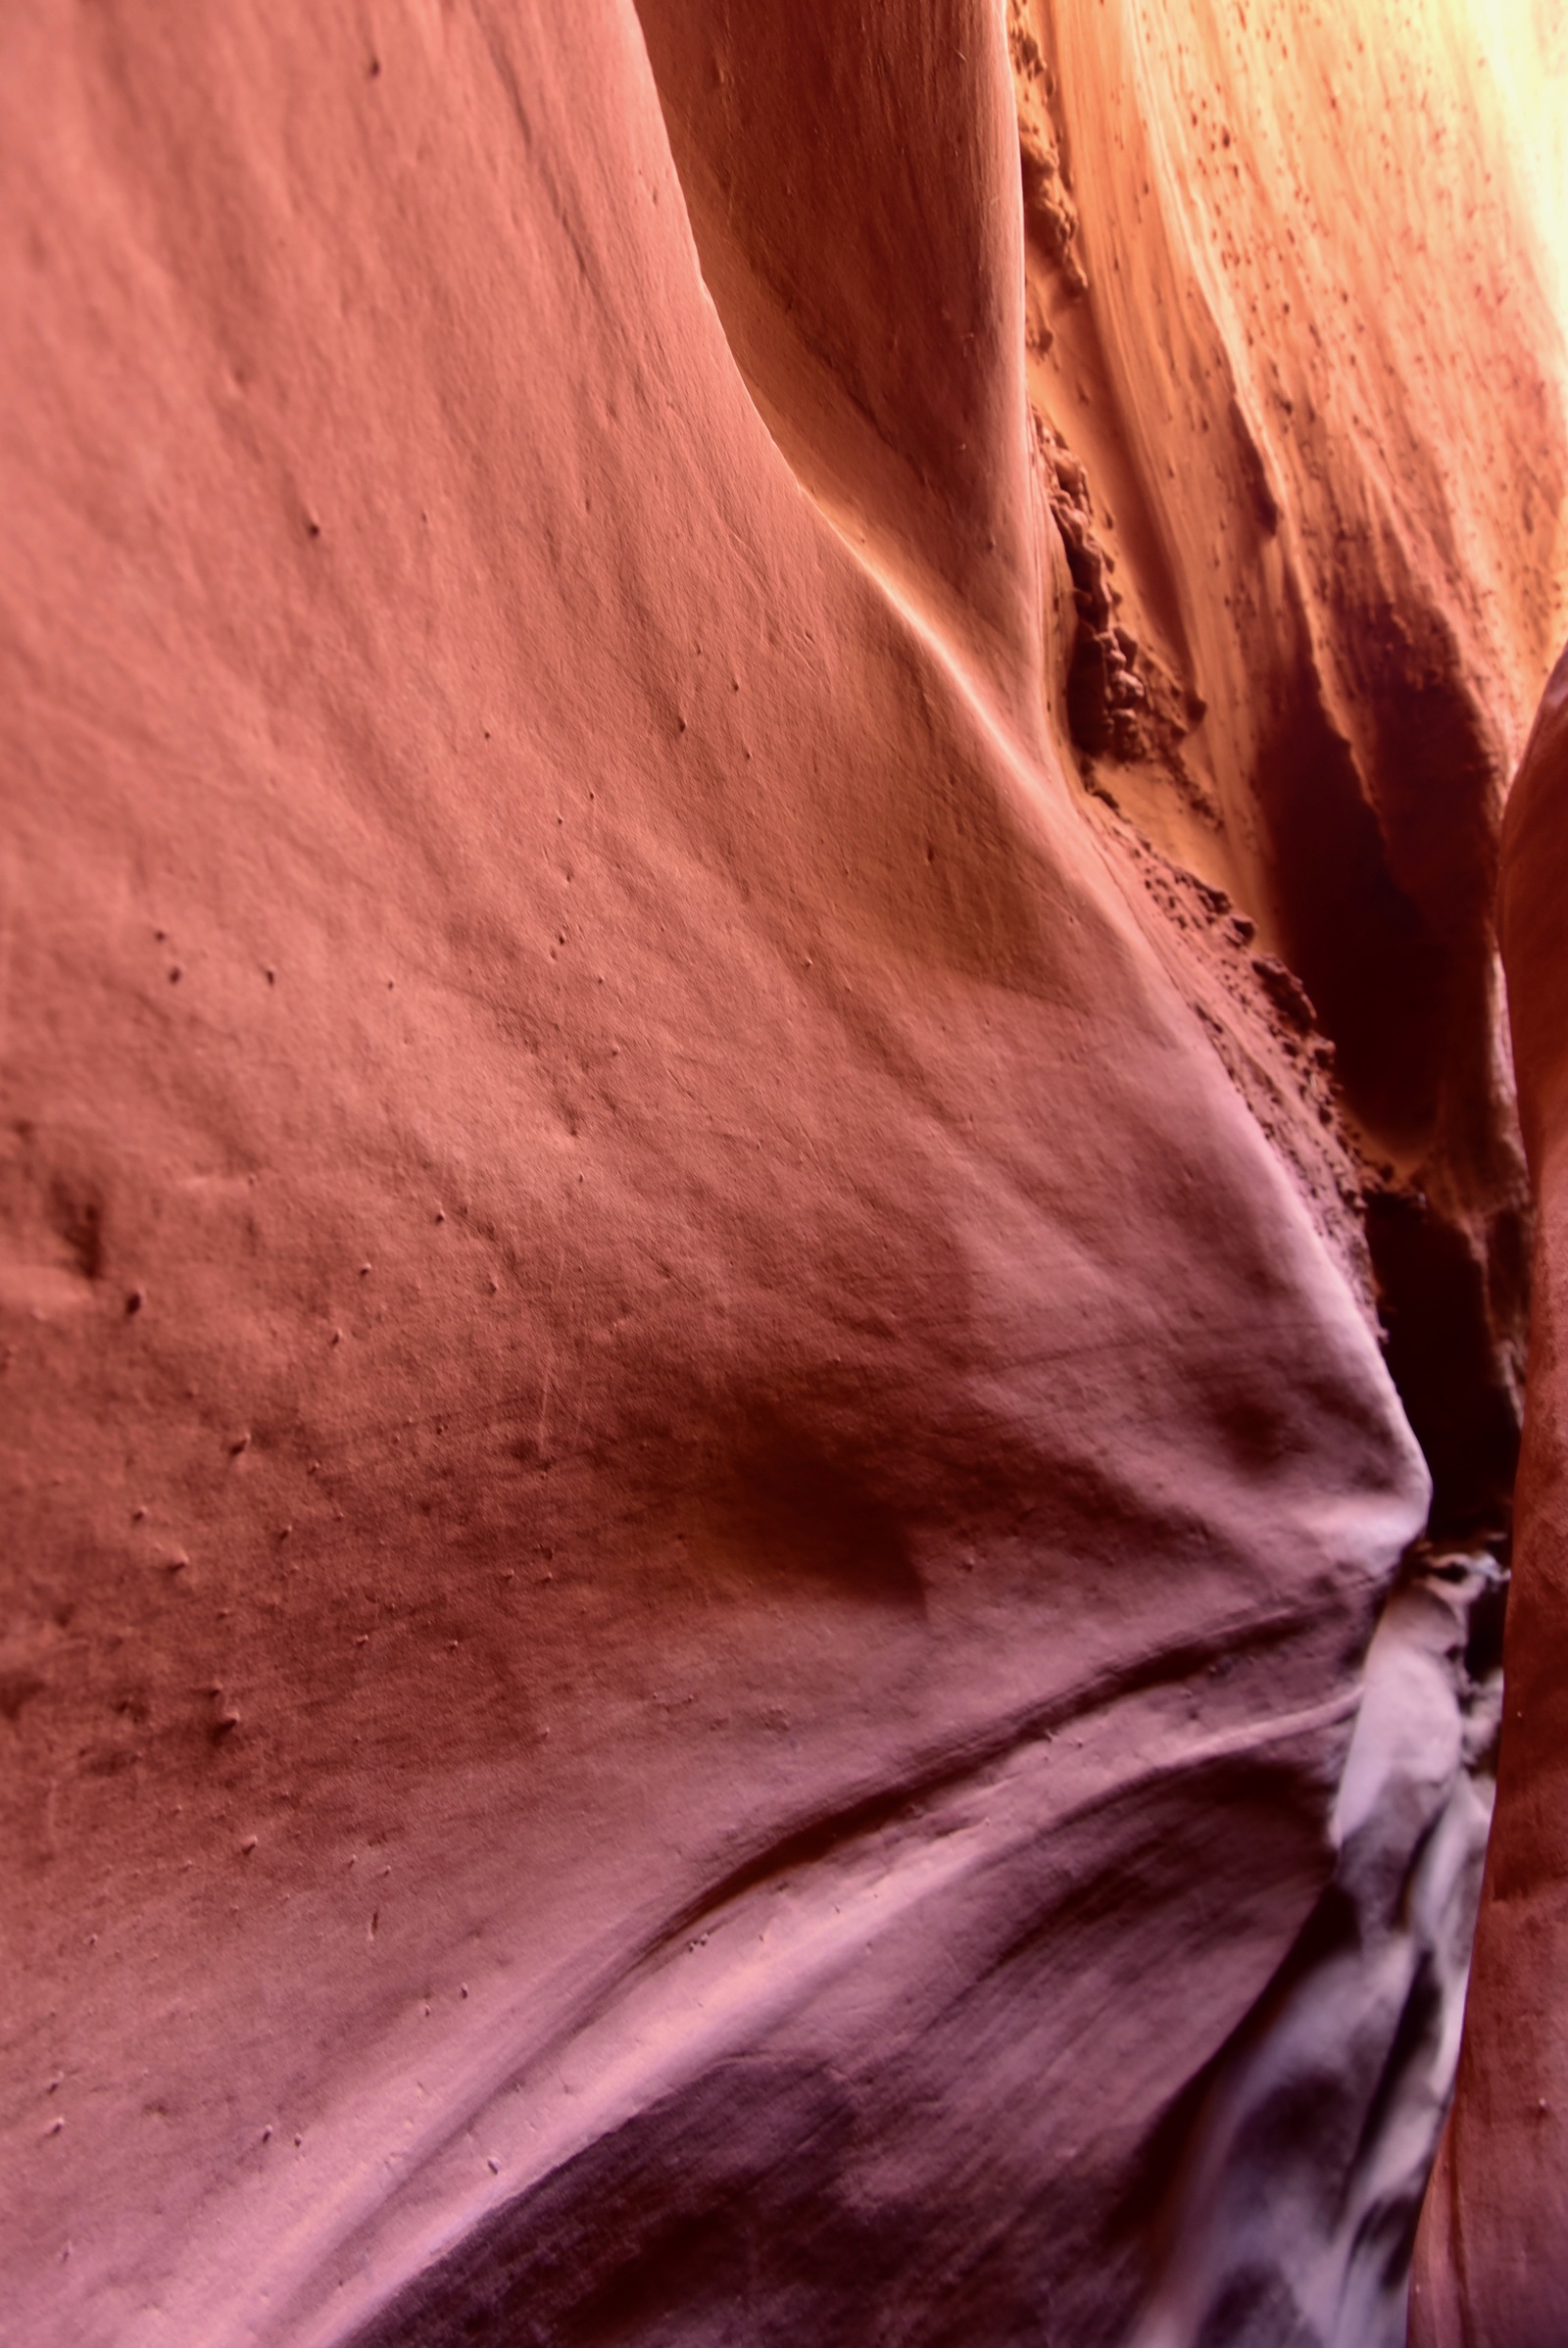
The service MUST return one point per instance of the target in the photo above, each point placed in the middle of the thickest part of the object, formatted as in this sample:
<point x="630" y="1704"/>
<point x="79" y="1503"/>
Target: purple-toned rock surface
<point x="751" y="761"/>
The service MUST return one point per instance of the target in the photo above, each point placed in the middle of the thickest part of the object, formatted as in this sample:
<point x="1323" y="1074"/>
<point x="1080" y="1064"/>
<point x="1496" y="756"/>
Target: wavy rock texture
<point x="753" y="765"/>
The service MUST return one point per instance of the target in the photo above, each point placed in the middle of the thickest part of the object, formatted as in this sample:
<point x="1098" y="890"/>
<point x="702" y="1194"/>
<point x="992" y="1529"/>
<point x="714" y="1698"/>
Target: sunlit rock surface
<point x="751" y="767"/>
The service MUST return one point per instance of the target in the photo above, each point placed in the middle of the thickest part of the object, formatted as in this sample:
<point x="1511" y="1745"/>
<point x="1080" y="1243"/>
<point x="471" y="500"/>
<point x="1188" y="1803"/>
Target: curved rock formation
<point x="752" y="772"/>
<point x="1491" y="2273"/>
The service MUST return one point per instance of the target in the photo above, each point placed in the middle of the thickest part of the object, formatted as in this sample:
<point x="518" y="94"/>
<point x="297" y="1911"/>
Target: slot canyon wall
<point x="1489" y="2267"/>
<point x="763" y="1250"/>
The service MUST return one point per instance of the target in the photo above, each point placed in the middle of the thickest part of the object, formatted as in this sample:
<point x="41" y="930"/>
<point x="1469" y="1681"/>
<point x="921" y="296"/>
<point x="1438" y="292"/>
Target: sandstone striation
<point x="756" y="1161"/>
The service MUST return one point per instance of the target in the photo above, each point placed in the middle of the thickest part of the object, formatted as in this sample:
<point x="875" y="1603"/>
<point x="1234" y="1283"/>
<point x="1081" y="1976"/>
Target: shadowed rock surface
<point x="1490" y="2271"/>
<point x="756" y="1161"/>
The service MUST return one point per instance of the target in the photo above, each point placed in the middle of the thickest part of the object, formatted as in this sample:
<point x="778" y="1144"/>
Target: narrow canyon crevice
<point x="764" y="1249"/>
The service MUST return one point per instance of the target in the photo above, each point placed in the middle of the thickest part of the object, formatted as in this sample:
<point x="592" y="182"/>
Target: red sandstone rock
<point x="700" y="1467"/>
<point x="1491" y="2271"/>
